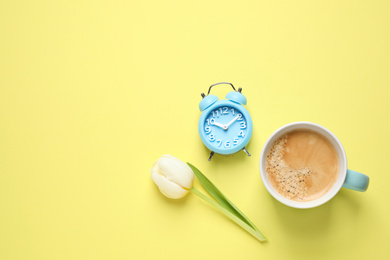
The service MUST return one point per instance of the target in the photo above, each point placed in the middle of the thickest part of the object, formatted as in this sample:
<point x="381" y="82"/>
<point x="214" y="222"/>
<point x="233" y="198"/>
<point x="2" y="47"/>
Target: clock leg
<point x="211" y="155"/>
<point x="246" y="151"/>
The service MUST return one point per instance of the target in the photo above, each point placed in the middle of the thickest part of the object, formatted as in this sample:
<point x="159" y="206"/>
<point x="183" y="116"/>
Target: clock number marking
<point x="235" y="141"/>
<point x="207" y="129"/>
<point x="243" y="125"/>
<point x="215" y="113"/>
<point x="241" y="133"/>
<point x="227" y="144"/>
<point x="210" y="121"/>
<point x="212" y="138"/>
<point x="224" y="110"/>
<point x="233" y="111"/>
<point x="219" y="142"/>
<point x="239" y="117"/>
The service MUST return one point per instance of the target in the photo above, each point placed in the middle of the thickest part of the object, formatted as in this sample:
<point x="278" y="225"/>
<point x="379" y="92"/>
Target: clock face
<point x="225" y="128"/>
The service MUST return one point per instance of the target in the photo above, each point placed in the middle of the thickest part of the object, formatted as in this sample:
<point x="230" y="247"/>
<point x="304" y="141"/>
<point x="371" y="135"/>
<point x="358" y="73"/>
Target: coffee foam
<point x="302" y="165"/>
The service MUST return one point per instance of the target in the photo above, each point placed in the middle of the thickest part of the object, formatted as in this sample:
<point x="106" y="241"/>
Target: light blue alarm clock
<point x="225" y="126"/>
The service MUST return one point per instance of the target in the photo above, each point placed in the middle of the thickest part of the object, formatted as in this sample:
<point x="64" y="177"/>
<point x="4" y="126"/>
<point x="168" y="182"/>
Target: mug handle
<point x="356" y="181"/>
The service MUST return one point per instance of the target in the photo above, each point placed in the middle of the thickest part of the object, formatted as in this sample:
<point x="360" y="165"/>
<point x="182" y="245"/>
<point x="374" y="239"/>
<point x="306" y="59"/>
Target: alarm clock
<point x="225" y="126"/>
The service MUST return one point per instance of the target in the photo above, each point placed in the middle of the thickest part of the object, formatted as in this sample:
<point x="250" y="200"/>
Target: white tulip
<point x="173" y="177"/>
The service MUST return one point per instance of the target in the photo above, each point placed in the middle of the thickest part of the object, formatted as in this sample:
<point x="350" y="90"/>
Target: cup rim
<point x="342" y="160"/>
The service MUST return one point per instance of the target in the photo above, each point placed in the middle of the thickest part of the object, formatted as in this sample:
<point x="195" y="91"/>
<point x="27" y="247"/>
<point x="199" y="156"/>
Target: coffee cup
<point x="303" y="165"/>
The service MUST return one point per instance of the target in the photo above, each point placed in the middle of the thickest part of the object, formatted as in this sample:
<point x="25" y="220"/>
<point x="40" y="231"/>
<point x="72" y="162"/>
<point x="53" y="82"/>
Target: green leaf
<point x="222" y="199"/>
<point x="245" y="226"/>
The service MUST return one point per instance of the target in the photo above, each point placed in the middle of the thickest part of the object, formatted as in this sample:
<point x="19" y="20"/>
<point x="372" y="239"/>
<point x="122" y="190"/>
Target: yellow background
<point x="93" y="92"/>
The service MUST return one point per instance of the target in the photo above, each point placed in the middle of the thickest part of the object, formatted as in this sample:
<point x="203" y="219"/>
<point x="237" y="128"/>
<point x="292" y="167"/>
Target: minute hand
<point x="231" y="122"/>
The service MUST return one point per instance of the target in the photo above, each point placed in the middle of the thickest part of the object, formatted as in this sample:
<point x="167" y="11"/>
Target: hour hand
<point x="220" y="125"/>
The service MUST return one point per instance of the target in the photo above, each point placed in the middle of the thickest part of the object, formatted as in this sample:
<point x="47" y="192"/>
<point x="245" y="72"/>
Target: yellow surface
<point x="93" y="92"/>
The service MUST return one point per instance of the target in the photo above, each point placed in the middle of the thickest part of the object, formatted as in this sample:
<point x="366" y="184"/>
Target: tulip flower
<point x="175" y="179"/>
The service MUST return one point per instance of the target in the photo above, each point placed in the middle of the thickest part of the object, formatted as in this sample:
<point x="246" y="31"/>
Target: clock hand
<point x="231" y="122"/>
<point x="220" y="125"/>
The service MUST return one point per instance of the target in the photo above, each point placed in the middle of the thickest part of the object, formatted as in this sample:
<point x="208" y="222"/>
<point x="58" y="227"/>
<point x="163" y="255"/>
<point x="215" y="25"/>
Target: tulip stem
<point x="227" y="213"/>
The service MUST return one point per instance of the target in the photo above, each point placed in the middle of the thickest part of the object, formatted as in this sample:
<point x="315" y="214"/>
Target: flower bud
<point x="173" y="177"/>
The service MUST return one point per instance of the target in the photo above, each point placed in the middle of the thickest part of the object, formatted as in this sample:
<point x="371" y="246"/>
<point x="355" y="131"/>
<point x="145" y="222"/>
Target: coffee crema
<point x="302" y="165"/>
